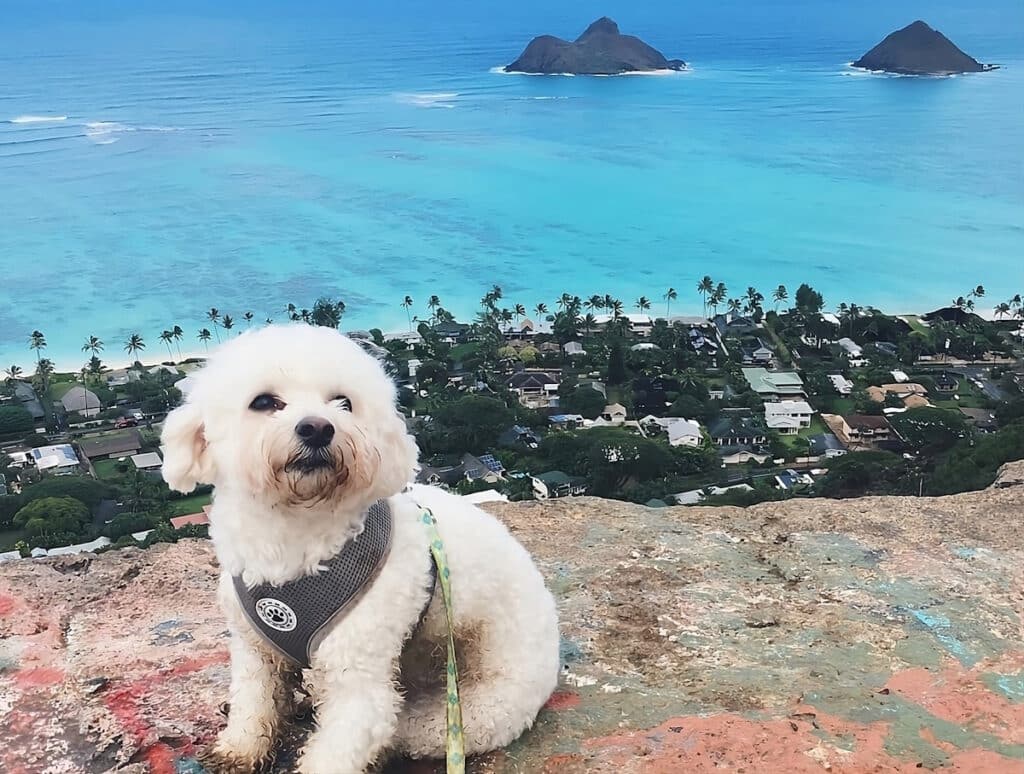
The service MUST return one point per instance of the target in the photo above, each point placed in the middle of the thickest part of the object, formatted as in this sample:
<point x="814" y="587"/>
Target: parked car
<point x="126" y="422"/>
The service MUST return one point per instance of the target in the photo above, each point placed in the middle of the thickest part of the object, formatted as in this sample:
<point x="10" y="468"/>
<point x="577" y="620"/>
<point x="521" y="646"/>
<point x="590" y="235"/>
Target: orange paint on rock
<point x="709" y="745"/>
<point x="38" y="677"/>
<point x="960" y="697"/>
<point x="8" y="604"/>
<point x="563" y="700"/>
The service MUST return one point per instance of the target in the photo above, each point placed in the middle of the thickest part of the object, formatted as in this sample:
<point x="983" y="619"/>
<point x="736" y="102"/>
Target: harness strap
<point x="455" y="743"/>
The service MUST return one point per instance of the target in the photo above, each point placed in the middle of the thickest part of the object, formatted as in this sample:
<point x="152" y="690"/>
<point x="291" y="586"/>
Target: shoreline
<point x="63" y="363"/>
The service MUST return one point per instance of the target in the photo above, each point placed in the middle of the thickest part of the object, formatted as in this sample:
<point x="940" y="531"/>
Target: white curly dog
<point x="297" y="429"/>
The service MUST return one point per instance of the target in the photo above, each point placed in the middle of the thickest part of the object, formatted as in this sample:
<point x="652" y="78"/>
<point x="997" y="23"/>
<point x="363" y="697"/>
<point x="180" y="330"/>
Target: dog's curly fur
<point x="275" y="518"/>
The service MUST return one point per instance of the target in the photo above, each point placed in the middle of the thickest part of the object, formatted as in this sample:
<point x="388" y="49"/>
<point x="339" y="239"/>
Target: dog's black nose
<point x="315" y="432"/>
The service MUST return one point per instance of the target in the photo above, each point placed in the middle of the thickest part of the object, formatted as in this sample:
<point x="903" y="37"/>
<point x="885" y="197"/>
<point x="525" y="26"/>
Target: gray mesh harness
<point x="296" y="616"/>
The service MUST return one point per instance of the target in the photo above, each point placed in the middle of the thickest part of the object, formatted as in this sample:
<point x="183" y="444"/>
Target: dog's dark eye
<point x="342" y="402"/>
<point x="266" y="402"/>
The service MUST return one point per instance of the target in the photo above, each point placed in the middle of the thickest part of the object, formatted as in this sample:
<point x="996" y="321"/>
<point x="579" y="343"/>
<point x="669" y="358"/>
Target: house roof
<point x="79" y="398"/>
<point x="193" y="518"/>
<point x="147" y="460"/>
<point x="735" y="426"/>
<point x="866" y="422"/>
<point x="764" y="381"/>
<point x="559" y="419"/>
<point x="787" y="408"/>
<point x="122" y="442"/>
<point x="683" y="428"/>
<point x="554" y="478"/>
<point x="614" y="408"/>
<point x="58" y="456"/>
<point x="25" y="393"/>
<point x="819" y="444"/>
<point x="532" y="380"/>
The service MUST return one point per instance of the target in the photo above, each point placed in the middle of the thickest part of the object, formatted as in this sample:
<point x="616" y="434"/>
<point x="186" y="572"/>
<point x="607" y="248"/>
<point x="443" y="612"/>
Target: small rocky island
<point x="917" y="49"/>
<point x="600" y="50"/>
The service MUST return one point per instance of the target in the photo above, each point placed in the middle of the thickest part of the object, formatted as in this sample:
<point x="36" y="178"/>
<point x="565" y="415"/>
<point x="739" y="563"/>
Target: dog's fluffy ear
<point x="186" y="459"/>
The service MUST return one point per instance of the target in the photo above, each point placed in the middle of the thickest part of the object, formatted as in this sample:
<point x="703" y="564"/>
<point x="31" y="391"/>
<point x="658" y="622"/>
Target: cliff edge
<point x="882" y="634"/>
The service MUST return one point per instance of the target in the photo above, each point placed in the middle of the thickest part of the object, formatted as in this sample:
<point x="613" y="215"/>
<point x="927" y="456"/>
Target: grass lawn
<point x="461" y="351"/>
<point x="106" y="469"/>
<point x="817" y="428"/>
<point x="970" y="397"/>
<point x="9" y="537"/>
<point x="917" y="326"/>
<point x="59" y="389"/>
<point x="188" y="505"/>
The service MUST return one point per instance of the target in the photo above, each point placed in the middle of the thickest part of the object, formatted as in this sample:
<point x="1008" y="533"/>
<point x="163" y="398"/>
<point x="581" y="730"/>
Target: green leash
<point x="454" y="744"/>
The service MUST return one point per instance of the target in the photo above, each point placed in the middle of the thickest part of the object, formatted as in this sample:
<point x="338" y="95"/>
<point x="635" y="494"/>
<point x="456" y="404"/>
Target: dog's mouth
<point x="311" y="462"/>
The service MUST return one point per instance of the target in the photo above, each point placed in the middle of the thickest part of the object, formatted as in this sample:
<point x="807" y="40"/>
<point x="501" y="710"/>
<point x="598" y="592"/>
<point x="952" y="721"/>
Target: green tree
<point x="82" y="488"/>
<point x="809" y="302"/>
<point x="584" y="400"/>
<point x="930" y="430"/>
<point x="37" y="342"/>
<point x="214" y="316"/>
<point x="643" y="303"/>
<point x="167" y="337"/>
<point x="469" y="424"/>
<point x="717" y="297"/>
<point x="177" y="334"/>
<point x="670" y="296"/>
<point x="616" y="365"/>
<point x="327" y="312"/>
<point x="704" y="287"/>
<point x="14" y="419"/>
<point x="53" y="515"/>
<point x="134" y="346"/>
<point x="205" y="336"/>
<point x="779" y="295"/>
<point x="247" y="316"/>
<point x="227" y="322"/>
<point x="44" y="370"/>
<point x="407" y="305"/>
<point x="861" y="473"/>
<point x="13" y="373"/>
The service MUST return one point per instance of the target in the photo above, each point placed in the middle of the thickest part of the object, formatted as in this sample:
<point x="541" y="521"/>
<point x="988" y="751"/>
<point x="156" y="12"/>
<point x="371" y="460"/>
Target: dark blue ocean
<point x="158" y="159"/>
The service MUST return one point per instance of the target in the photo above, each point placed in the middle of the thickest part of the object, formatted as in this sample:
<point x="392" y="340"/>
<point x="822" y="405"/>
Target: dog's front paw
<point x="218" y="759"/>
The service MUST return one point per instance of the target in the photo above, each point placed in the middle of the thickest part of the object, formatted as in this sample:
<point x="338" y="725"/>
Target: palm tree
<point x="44" y="370"/>
<point x="643" y="303"/>
<point x="594" y="302"/>
<point x="616" y="307"/>
<point x="735" y="305"/>
<point x="247" y="316"/>
<point x="214" y="316"/>
<point x="269" y="321"/>
<point x="227" y="322"/>
<point x="670" y="296"/>
<point x="37" y="341"/>
<point x="589" y="322"/>
<point x="563" y="301"/>
<point x="978" y="292"/>
<point x="754" y="299"/>
<point x="541" y="309"/>
<point x="717" y="297"/>
<point x="178" y="334"/>
<point x="134" y="346"/>
<point x="167" y="337"/>
<point x="705" y="286"/>
<point x="960" y="303"/>
<point x="779" y="295"/>
<point x="432" y="305"/>
<point x="519" y="310"/>
<point x="93" y="344"/>
<point x="205" y="336"/>
<point x="608" y="301"/>
<point x="1002" y="310"/>
<point x="407" y="303"/>
<point x="13" y="374"/>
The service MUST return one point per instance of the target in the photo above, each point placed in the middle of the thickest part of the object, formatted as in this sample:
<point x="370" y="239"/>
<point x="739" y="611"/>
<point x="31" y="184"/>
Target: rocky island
<point x="600" y="50"/>
<point x="917" y="49"/>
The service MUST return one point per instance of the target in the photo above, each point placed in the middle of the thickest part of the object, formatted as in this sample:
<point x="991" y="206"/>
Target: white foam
<point x="428" y="99"/>
<point x="105" y="132"/>
<point x="500" y="70"/>
<point x="37" y="119"/>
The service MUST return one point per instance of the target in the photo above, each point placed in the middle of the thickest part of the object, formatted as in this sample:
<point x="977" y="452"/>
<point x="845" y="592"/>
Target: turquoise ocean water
<point x="251" y="154"/>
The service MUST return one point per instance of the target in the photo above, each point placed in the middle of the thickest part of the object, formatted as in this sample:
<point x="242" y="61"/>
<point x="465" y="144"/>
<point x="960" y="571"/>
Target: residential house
<point x="704" y="342"/>
<point x="566" y="421"/>
<point x="121" y="377"/>
<point x="866" y="429"/>
<point x="535" y="389"/>
<point x="912" y="394"/>
<point x="755" y="351"/>
<point x="774" y="385"/>
<point x="899" y="376"/>
<point x="519" y="437"/>
<point x="825" y="446"/>
<point x="843" y="385"/>
<point x="850" y="347"/>
<point x="737" y="427"/>
<point x="573" y="349"/>
<point x="886" y="348"/>
<point x="732" y="326"/>
<point x="452" y="332"/>
<point x="440" y="476"/>
<point x="59" y="459"/>
<point x="203" y="517"/>
<point x="639" y="324"/>
<point x="149" y="461"/>
<point x="789" y="417"/>
<point x="982" y="420"/>
<point x="26" y="395"/>
<point x="593" y="384"/>
<point x="695" y="496"/>
<point x="414" y="365"/>
<point x="791" y="480"/>
<point x="946" y="382"/>
<point x="614" y="414"/>
<point x="688" y="320"/>
<point x="684" y="432"/>
<point x="548" y="486"/>
<point x="484" y="468"/>
<point x="79" y="400"/>
<point x="124" y="443"/>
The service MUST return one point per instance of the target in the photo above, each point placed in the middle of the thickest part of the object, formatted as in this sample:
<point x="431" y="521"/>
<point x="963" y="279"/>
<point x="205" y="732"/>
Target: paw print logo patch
<point x="276" y="614"/>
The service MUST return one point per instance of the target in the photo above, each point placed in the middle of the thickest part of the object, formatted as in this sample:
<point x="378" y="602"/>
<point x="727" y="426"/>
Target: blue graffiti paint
<point x="965" y="553"/>
<point x="1012" y="686"/>
<point x="942" y="630"/>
